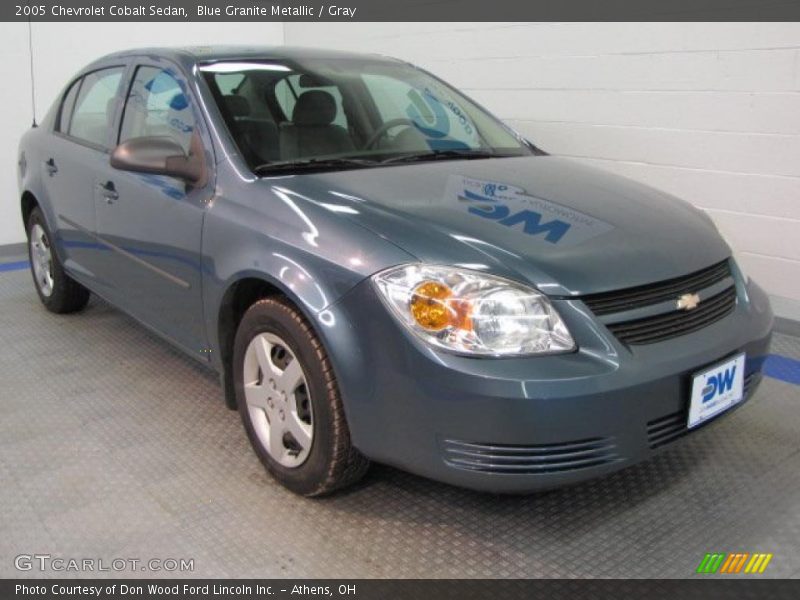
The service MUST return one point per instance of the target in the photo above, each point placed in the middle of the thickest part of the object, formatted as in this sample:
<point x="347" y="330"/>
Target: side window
<point x="67" y="106"/>
<point x="157" y="105"/>
<point x="229" y="83"/>
<point x="94" y="106"/>
<point x="288" y="89"/>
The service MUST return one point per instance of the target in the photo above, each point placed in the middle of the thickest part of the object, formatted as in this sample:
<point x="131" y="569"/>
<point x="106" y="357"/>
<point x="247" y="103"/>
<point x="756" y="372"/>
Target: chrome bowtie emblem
<point x="688" y="301"/>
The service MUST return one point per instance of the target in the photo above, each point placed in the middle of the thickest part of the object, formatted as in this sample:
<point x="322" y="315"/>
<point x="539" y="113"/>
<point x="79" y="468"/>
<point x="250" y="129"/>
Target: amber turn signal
<point x="434" y="307"/>
<point x="429" y="305"/>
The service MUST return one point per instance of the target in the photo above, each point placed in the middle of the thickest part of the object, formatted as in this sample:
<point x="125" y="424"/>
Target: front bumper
<point x="524" y="424"/>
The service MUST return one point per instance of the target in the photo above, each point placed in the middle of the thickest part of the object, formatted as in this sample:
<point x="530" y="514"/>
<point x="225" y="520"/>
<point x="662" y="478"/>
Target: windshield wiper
<point x="311" y="164"/>
<point x="453" y="154"/>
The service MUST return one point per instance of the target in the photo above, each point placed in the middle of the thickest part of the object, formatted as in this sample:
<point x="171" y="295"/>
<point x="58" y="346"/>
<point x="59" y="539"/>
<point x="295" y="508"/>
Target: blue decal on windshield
<point x="428" y="114"/>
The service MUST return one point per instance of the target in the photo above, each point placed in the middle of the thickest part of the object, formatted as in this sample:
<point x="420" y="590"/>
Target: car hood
<point x="564" y="227"/>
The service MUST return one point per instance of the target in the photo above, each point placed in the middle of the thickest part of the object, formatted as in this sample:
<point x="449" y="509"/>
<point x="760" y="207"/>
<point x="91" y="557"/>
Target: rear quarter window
<point x="67" y="106"/>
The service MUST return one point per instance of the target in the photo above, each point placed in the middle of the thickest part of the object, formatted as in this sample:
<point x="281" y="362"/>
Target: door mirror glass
<point x="160" y="155"/>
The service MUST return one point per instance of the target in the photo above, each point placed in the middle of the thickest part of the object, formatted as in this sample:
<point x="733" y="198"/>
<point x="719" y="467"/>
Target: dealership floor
<point x="113" y="445"/>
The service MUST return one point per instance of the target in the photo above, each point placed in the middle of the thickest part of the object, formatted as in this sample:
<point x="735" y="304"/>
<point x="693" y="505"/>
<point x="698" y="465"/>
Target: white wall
<point x="61" y="49"/>
<point x="709" y="112"/>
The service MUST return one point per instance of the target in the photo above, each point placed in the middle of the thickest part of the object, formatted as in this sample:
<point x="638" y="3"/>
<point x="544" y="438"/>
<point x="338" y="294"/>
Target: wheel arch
<point x="28" y="202"/>
<point x="241" y="292"/>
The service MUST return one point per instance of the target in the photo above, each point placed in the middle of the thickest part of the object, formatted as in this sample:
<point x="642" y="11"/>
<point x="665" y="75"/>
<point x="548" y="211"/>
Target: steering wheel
<point x="384" y="129"/>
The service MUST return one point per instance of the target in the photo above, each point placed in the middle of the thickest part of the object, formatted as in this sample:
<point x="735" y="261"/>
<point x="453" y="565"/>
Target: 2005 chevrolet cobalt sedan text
<point x="381" y="270"/>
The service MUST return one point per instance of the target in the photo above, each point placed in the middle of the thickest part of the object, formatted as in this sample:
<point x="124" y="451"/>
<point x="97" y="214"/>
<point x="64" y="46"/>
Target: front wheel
<point x="289" y="401"/>
<point x="58" y="291"/>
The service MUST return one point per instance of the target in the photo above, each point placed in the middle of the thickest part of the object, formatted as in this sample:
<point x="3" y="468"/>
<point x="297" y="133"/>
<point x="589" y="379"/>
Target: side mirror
<point x="161" y="156"/>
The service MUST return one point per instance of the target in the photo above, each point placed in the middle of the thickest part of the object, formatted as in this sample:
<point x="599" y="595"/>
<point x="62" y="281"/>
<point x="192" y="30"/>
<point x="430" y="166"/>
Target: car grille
<point x="665" y="325"/>
<point x="669" y="428"/>
<point x="675" y="323"/>
<point x="543" y="458"/>
<point x="631" y="298"/>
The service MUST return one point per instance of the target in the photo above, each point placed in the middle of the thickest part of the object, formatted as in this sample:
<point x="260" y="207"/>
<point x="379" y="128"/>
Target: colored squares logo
<point x="734" y="562"/>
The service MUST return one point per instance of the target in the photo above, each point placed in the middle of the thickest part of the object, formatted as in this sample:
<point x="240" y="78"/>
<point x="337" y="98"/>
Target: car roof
<point x="190" y="55"/>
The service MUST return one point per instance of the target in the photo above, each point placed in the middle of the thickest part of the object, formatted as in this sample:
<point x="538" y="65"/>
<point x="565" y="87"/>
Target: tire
<point x="284" y="383"/>
<point x="58" y="291"/>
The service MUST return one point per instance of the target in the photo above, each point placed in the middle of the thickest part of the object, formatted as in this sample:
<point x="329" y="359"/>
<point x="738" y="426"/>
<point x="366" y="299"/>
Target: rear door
<point x="79" y="147"/>
<point x="152" y="224"/>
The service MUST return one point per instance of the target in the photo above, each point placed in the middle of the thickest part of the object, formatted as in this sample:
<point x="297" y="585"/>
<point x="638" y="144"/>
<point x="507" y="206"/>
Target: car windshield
<point x="350" y="113"/>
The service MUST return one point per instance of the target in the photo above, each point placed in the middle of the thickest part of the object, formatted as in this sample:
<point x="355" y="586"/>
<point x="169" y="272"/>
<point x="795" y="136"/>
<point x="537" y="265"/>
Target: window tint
<point x="94" y="107"/>
<point x="67" y="106"/>
<point x="157" y="105"/>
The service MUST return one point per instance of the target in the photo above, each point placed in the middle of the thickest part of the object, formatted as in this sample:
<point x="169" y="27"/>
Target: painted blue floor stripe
<point x="776" y="366"/>
<point x="14" y="266"/>
<point x="782" y="368"/>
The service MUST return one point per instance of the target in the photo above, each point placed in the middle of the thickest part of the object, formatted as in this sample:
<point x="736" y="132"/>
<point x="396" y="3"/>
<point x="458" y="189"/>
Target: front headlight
<point x="472" y="313"/>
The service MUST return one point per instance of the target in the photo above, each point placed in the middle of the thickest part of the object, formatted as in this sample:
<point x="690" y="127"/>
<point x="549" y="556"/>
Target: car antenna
<point x="33" y="88"/>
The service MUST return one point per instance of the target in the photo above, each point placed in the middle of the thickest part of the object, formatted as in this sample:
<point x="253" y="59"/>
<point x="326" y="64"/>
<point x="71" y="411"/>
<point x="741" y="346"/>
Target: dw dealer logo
<point x="734" y="563"/>
<point x="719" y="384"/>
<point x="538" y="219"/>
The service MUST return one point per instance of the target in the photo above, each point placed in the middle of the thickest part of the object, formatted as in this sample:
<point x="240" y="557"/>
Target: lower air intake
<point x="543" y="458"/>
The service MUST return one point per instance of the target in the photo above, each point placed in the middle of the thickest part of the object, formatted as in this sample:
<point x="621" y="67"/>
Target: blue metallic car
<point x="379" y="269"/>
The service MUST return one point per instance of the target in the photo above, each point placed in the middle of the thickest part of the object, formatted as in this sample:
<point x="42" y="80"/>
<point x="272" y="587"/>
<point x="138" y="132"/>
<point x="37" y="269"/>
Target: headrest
<point x="238" y="106"/>
<point x="314" y="107"/>
<point x="313" y="81"/>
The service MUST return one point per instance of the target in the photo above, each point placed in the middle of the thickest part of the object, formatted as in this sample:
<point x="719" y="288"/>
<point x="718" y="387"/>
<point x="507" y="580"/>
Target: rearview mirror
<point x="161" y="156"/>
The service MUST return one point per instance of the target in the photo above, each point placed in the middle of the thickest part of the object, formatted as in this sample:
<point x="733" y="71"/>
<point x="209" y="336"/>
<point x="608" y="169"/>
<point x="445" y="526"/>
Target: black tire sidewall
<point x="281" y="320"/>
<point x="55" y="298"/>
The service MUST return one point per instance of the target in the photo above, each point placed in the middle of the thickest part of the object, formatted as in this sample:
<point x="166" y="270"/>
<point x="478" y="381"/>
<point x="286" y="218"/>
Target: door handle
<point x="50" y="165"/>
<point x="109" y="191"/>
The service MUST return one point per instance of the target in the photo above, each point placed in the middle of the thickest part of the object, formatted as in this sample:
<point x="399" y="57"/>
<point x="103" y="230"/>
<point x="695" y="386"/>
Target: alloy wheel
<point x="42" y="260"/>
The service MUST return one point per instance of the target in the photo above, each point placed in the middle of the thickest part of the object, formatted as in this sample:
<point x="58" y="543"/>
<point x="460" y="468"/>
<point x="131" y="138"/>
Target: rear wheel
<point x="289" y="401"/>
<point x="58" y="291"/>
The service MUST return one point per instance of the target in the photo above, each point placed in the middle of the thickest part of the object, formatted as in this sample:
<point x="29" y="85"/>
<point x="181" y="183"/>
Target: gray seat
<point x="259" y="137"/>
<point x="312" y="132"/>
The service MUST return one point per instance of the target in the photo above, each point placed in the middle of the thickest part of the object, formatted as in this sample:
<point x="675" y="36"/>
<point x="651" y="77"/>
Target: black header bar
<point x="400" y="10"/>
<point x="386" y="589"/>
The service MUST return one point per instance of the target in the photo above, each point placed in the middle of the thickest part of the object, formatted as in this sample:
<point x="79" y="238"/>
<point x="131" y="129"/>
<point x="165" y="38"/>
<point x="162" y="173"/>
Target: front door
<point x="153" y="224"/>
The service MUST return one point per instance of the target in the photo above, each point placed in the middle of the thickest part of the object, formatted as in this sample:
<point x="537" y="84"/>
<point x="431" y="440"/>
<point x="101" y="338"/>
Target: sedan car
<point x="380" y="270"/>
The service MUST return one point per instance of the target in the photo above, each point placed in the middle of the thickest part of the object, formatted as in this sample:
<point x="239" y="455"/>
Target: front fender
<point x="309" y="254"/>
